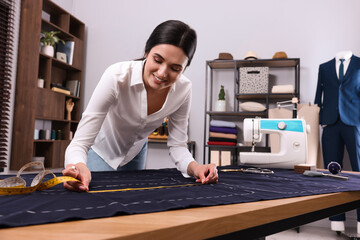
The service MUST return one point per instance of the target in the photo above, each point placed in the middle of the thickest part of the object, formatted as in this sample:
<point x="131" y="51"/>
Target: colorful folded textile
<point x="215" y="139"/>
<point x="223" y="135"/>
<point x="223" y="130"/>
<point x="221" y="143"/>
<point x="220" y="123"/>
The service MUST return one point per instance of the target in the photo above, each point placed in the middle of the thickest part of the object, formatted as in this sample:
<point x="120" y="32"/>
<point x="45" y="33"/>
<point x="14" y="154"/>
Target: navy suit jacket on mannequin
<point x="336" y="98"/>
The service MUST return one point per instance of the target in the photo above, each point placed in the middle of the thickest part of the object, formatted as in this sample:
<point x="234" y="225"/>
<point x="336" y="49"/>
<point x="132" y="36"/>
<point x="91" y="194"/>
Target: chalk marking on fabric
<point x="75" y="209"/>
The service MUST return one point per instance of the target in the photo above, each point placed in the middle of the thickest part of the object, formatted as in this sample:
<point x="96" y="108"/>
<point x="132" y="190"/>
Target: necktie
<point x="341" y="70"/>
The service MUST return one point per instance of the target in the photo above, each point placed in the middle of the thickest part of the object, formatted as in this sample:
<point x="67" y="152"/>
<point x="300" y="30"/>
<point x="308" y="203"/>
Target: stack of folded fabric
<point x="222" y="133"/>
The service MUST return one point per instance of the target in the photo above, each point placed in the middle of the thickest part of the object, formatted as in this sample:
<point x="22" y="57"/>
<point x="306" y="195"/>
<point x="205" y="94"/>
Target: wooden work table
<point x="240" y="221"/>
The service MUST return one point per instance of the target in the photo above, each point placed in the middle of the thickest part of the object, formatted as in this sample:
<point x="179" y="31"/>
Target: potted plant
<point x="49" y="40"/>
<point x="220" y="104"/>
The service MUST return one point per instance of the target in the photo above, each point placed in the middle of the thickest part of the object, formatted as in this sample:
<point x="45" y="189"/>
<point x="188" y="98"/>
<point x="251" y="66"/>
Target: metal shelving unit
<point x="236" y="114"/>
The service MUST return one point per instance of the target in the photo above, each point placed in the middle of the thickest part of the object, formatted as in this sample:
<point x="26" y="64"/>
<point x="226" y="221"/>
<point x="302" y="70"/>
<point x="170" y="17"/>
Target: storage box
<point x="254" y="80"/>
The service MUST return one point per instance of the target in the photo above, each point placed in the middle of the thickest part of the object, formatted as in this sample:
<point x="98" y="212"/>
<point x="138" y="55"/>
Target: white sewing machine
<point x="293" y="142"/>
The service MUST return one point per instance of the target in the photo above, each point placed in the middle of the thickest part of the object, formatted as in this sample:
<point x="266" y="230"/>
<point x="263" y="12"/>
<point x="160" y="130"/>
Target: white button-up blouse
<point x="116" y="125"/>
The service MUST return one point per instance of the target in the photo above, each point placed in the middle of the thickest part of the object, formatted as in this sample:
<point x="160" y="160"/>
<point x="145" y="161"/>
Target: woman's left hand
<point x="203" y="173"/>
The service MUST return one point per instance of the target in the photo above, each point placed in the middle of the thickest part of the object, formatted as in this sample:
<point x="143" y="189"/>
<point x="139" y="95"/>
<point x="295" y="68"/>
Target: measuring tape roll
<point x="17" y="185"/>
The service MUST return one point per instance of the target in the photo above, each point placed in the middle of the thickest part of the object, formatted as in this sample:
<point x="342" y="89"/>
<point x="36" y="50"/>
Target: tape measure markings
<point x="17" y="185"/>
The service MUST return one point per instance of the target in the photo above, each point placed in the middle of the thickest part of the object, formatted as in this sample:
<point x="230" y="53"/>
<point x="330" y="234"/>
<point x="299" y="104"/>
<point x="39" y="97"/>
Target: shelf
<point x="62" y="20"/>
<point x="236" y="114"/>
<point x="56" y="120"/>
<point x="49" y="141"/>
<point x="56" y="62"/>
<point x="158" y="137"/>
<point x="48" y="26"/>
<point x="45" y="141"/>
<point x="214" y="68"/>
<point x="241" y="148"/>
<point x="66" y="95"/>
<point x="230" y="64"/>
<point x="52" y="119"/>
<point x="263" y="96"/>
<point x="34" y="103"/>
<point x="52" y="8"/>
<point x="63" y="65"/>
<point x="152" y="140"/>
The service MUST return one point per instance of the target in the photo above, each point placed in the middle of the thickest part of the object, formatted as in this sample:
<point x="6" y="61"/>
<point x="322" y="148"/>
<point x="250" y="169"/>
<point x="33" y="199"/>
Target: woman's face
<point x="164" y="65"/>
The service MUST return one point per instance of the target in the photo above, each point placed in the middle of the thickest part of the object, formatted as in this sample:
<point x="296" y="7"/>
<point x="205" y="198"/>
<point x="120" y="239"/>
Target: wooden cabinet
<point x="33" y="103"/>
<point x="236" y="114"/>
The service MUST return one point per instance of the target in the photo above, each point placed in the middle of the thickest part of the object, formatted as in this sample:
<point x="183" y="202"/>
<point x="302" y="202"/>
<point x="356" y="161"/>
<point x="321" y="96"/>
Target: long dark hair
<point x="176" y="33"/>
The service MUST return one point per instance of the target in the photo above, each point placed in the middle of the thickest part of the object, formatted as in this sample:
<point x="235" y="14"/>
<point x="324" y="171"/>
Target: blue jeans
<point x="96" y="164"/>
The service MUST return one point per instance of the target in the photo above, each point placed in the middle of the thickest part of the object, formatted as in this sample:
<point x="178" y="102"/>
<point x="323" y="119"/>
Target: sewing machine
<point x="293" y="142"/>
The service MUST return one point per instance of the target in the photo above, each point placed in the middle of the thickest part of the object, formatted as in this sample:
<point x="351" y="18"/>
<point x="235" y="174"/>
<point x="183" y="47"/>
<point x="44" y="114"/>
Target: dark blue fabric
<point x="57" y="204"/>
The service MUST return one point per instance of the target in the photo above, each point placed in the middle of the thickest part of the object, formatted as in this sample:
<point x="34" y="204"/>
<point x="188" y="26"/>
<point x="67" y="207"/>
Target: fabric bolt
<point x="220" y="123"/>
<point x="58" y="204"/>
<point x="117" y="137"/>
<point x="215" y="139"/>
<point x="283" y="89"/>
<point x="223" y="135"/>
<point x="221" y="143"/>
<point x="223" y="130"/>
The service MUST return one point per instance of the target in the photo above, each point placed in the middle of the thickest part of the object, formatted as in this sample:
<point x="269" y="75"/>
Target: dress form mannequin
<point x="344" y="54"/>
<point x="338" y="97"/>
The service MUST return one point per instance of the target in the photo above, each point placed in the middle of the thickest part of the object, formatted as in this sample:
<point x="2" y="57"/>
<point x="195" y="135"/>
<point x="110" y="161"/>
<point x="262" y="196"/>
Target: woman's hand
<point x="203" y="173"/>
<point x="80" y="172"/>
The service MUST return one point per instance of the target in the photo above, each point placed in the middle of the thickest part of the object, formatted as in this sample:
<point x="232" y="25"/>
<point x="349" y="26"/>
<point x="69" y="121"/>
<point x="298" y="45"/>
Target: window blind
<point x="6" y="53"/>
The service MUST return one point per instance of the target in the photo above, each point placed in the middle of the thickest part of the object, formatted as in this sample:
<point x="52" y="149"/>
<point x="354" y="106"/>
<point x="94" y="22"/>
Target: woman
<point x="130" y="101"/>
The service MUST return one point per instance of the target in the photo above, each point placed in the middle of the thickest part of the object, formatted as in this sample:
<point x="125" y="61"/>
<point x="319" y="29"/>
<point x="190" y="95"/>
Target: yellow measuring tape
<point x="146" y="188"/>
<point x="17" y="185"/>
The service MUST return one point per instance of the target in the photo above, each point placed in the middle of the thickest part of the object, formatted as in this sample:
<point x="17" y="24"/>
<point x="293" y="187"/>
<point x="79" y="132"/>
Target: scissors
<point x="250" y="170"/>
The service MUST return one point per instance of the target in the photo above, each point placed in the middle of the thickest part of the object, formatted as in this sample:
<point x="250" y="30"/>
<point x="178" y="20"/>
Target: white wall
<point x="312" y="30"/>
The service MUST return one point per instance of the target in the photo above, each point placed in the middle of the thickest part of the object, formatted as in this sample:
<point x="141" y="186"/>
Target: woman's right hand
<point x="80" y="172"/>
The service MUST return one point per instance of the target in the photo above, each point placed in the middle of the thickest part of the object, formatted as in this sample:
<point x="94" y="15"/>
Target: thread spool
<point x="58" y="135"/>
<point x="334" y="167"/>
<point x="47" y="134"/>
<point x="42" y="134"/>
<point x="41" y="83"/>
<point x="53" y="134"/>
<point x="36" y="134"/>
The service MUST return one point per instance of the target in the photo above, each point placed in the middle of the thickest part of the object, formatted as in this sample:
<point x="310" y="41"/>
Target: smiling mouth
<point x="160" y="80"/>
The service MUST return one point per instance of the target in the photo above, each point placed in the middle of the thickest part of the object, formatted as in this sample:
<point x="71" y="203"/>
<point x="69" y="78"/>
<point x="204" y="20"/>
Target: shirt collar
<point x="137" y="74"/>
<point x="343" y="55"/>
